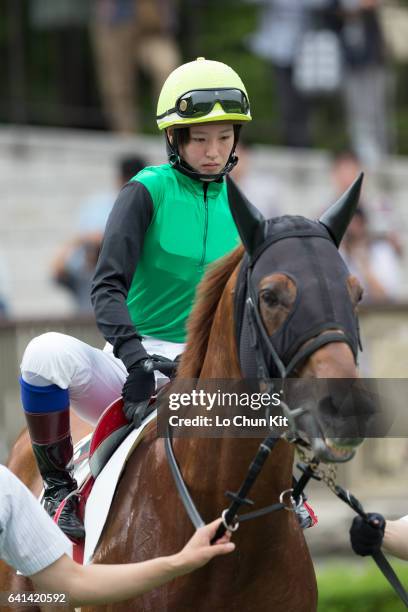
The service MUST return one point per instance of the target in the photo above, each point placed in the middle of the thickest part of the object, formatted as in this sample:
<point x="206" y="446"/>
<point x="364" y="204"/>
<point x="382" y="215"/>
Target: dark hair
<point x="129" y="166"/>
<point x="183" y="135"/>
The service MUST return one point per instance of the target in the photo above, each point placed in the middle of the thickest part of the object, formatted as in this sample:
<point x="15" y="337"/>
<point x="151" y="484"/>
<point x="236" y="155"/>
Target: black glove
<point x="366" y="537"/>
<point x="166" y="366"/>
<point x="138" y="388"/>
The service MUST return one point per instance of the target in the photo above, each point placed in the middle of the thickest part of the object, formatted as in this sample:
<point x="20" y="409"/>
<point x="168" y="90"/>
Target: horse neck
<point x="222" y="463"/>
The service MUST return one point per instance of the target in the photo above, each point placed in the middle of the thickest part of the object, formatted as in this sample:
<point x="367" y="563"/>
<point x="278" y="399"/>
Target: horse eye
<point x="270" y="297"/>
<point x="360" y="295"/>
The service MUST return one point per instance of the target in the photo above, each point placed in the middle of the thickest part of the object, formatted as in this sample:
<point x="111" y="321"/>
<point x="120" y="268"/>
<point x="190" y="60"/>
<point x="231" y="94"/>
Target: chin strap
<point x="177" y="162"/>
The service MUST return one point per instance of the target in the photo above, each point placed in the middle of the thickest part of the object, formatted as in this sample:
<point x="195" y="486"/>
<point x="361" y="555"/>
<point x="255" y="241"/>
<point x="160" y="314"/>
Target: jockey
<point x="168" y="223"/>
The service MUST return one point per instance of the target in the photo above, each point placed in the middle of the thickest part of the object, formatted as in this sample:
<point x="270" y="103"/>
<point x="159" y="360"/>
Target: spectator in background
<point x="373" y="261"/>
<point x="94" y="211"/>
<point x="282" y="26"/>
<point x="263" y="190"/>
<point x="74" y="265"/>
<point x="366" y="79"/>
<point x="128" y="34"/>
<point x="373" y="256"/>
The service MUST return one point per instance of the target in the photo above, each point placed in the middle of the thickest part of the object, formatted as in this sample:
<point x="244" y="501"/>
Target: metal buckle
<point x="292" y="507"/>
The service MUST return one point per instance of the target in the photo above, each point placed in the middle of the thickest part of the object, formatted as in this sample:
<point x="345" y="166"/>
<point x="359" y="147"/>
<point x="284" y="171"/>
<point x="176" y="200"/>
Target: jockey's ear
<point x="170" y="134"/>
<point x="249" y="220"/>
<point x="337" y="218"/>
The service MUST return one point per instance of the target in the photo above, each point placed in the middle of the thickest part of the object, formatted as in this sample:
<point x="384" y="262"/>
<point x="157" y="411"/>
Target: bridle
<point x="289" y="499"/>
<point x="263" y="349"/>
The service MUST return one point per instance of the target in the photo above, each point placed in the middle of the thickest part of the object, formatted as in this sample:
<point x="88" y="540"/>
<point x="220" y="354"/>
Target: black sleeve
<point x="120" y="252"/>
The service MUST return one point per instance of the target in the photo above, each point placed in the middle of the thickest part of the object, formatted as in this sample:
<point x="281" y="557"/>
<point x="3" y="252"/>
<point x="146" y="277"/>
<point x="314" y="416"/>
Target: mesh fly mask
<point x="304" y="251"/>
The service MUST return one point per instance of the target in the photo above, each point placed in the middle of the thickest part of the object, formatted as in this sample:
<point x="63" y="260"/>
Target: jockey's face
<point x="209" y="147"/>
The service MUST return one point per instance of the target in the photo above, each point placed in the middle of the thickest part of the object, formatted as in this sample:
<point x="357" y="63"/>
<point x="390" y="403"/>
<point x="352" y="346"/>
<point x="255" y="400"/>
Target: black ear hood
<point x="249" y="220"/>
<point x="337" y="218"/>
<point x="304" y="251"/>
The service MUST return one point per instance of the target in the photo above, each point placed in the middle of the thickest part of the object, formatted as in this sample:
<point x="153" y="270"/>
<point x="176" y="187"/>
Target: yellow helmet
<point x="202" y="91"/>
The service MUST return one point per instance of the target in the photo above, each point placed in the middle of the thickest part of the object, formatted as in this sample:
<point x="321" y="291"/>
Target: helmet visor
<point x="199" y="103"/>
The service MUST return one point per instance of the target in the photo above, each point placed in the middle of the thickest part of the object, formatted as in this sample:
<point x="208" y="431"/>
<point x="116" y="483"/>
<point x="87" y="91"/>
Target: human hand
<point x="366" y="537"/>
<point x="198" y="550"/>
<point x="139" y="387"/>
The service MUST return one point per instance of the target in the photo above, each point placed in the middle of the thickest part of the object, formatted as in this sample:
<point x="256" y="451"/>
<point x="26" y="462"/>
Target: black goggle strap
<point x="174" y="155"/>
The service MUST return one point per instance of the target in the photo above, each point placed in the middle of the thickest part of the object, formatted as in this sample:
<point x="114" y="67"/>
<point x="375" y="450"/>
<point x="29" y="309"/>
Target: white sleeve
<point x="29" y="539"/>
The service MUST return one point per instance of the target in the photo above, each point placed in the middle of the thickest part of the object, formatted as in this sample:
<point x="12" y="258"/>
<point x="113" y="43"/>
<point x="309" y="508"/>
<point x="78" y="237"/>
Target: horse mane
<point x="200" y="321"/>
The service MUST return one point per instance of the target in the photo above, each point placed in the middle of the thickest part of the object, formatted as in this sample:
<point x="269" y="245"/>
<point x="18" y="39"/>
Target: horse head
<point x="295" y="313"/>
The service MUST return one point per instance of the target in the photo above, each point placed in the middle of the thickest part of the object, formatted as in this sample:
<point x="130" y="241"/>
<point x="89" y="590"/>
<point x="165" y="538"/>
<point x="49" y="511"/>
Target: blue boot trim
<point x="37" y="400"/>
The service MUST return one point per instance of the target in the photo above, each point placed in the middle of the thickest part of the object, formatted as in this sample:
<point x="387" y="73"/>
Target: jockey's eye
<point x="270" y="297"/>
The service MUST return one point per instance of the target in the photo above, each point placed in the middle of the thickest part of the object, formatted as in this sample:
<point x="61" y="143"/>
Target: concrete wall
<point x="46" y="174"/>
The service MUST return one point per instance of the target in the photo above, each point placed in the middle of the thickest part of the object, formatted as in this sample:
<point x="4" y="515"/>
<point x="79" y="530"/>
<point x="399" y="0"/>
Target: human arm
<point x="369" y="536"/>
<point x="121" y="249"/>
<point x="396" y="538"/>
<point x="82" y="249"/>
<point x="34" y="545"/>
<point x="102" y="584"/>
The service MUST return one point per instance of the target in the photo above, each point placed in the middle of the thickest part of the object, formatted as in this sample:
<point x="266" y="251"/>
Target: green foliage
<point x="359" y="588"/>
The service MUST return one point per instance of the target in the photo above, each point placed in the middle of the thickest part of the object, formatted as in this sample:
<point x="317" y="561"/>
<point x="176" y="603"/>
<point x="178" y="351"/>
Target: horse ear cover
<point x="337" y="218"/>
<point x="249" y="220"/>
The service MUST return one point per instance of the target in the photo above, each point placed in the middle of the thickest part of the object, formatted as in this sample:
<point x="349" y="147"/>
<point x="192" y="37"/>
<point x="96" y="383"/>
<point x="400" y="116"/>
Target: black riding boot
<point x="54" y="460"/>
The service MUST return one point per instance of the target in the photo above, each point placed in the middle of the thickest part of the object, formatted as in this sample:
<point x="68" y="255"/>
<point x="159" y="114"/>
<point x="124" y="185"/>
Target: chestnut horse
<point x="271" y="568"/>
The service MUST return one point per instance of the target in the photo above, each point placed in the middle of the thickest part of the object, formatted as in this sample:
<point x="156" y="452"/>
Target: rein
<point x="309" y="467"/>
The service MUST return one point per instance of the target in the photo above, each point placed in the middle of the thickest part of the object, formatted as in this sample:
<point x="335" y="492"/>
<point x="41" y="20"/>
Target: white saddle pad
<point x="101" y="495"/>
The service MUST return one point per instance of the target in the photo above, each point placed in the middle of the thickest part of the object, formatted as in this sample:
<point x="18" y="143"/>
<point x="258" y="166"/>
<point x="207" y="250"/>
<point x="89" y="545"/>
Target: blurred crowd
<point x="315" y="49"/>
<point x="344" y="50"/>
<point x="329" y="48"/>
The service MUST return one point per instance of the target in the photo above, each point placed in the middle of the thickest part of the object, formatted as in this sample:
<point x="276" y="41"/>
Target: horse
<point x="287" y="273"/>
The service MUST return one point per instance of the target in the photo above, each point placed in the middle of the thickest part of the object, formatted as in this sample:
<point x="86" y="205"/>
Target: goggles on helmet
<point x="200" y="102"/>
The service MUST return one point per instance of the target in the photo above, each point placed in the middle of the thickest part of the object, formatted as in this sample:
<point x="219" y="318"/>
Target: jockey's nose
<point x="212" y="149"/>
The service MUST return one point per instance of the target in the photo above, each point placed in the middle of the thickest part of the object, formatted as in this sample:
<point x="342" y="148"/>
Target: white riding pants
<point x="93" y="377"/>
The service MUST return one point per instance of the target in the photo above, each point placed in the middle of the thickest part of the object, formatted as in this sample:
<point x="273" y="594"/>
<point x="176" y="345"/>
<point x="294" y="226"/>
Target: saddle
<point x="113" y="438"/>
